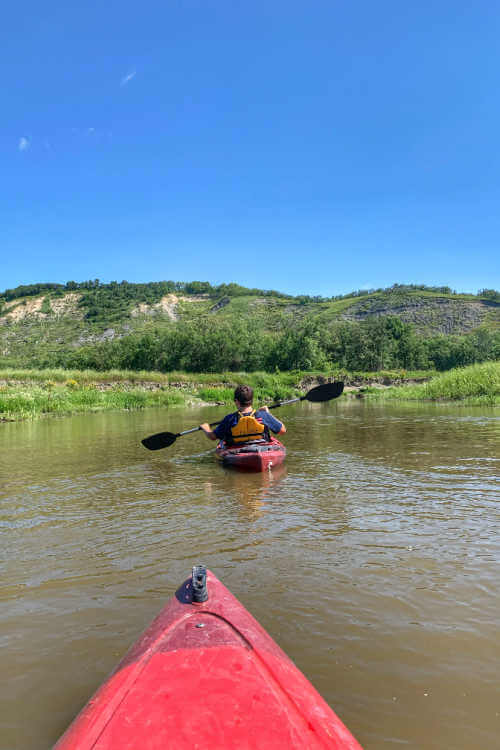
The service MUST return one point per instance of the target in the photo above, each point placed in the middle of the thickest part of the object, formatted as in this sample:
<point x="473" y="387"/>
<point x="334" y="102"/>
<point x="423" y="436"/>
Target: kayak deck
<point x="257" y="456"/>
<point x="206" y="675"/>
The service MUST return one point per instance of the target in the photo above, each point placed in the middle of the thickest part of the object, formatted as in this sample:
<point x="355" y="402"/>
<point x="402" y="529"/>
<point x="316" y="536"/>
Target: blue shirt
<point x="230" y="420"/>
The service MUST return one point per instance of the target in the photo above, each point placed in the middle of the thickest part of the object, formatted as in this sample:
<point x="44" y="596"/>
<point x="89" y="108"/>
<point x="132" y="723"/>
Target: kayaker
<point x="246" y="424"/>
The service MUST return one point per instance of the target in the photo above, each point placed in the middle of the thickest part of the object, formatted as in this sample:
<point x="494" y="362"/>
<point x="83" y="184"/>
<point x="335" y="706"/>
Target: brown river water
<point x="371" y="557"/>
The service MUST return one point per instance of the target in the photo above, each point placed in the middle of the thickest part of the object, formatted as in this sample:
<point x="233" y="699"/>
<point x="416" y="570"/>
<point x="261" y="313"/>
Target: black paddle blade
<point x="325" y="392"/>
<point x="161" y="440"/>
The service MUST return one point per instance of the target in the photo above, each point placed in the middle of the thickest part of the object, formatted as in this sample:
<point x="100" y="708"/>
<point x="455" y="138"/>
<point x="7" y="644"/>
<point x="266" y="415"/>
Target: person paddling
<point x="246" y="424"/>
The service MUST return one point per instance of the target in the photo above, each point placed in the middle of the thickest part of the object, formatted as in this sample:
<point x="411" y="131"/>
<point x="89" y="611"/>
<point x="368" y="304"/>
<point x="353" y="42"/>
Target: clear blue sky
<point x="313" y="147"/>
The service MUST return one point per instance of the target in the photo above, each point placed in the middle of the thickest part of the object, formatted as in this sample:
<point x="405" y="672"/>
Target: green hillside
<point x="94" y="324"/>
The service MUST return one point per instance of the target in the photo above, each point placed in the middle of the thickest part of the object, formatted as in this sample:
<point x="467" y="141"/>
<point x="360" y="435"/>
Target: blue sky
<point x="311" y="147"/>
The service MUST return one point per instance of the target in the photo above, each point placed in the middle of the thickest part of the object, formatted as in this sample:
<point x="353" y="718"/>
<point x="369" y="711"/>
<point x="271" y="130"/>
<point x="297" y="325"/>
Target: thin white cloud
<point x="24" y="143"/>
<point x="128" y="78"/>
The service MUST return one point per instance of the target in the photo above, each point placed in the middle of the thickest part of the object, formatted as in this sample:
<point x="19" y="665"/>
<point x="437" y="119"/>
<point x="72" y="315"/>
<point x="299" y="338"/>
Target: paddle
<point x="320" y="393"/>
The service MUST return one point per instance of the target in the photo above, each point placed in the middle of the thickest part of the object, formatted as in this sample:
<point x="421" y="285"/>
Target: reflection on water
<point x="371" y="556"/>
<point x="250" y="490"/>
<point x="254" y="491"/>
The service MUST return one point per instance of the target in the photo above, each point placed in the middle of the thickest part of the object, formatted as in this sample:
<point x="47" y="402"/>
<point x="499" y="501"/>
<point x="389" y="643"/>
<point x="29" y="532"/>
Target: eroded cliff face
<point x="428" y="315"/>
<point x="168" y="305"/>
<point x="41" y="308"/>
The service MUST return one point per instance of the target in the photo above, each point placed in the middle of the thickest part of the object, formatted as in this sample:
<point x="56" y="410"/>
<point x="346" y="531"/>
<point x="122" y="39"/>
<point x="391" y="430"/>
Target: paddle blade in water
<point x="325" y="392"/>
<point x="158" y="441"/>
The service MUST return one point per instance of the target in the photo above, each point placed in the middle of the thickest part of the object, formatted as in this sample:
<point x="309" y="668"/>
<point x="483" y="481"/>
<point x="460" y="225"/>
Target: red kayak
<point x="206" y="675"/>
<point x="257" y="456"/>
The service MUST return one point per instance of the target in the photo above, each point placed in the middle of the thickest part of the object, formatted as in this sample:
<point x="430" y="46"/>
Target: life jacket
<point x="247" y="428"/>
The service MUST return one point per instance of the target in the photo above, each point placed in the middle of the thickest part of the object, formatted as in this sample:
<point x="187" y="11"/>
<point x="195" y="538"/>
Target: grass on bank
<point x="25" y="403"/>
<point x="27" y="394"/>
<point x="140" y="377"/>
<point x="475" y="385"/>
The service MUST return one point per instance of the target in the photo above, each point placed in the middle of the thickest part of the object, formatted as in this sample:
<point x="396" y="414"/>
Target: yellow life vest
<point x="247" y="428"/>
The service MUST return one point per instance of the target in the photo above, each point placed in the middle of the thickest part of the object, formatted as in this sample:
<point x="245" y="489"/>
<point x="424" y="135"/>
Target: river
<point x="371" y="557"/>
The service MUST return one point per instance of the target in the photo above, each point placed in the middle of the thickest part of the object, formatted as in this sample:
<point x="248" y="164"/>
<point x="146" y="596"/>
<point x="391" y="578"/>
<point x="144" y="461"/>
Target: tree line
<point x="99" y="297"/>
<point x="137" y="292"/>
<point x="210" y="345"/>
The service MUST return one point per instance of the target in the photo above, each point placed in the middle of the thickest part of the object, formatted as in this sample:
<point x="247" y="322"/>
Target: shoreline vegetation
<point x="29" y="394"/>
<point x="476" y="385"/>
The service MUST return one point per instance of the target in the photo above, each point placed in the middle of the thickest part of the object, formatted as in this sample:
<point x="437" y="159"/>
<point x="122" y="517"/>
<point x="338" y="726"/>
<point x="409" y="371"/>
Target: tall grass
<point x="476" y="384"/>
<point x="26" y="394"/>
<point x="22" y="402"/>
<point x="262" y="392"/>
<point x="59" y="375"/>
<point x="257" y="379"/>
<point x="31" y="393"/>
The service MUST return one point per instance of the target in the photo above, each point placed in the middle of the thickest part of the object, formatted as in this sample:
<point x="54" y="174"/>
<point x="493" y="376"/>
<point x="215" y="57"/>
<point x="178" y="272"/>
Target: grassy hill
<point x="42" y="322"/>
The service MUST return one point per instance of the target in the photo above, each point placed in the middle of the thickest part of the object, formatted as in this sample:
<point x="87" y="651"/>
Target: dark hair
<point x="244" y="394"/>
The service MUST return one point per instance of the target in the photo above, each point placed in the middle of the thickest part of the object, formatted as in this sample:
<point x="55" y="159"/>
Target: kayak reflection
<point x="253" y="492"/>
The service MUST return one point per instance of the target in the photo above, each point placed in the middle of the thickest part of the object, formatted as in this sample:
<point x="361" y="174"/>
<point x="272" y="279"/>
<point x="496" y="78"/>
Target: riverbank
<point x="28" y="394"/>
<point x="476" y="385"/>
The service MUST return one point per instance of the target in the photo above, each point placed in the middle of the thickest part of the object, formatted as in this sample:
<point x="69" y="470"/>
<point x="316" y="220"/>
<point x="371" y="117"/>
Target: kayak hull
<point x="206" y="675"/>
<point x="252" y="457"/>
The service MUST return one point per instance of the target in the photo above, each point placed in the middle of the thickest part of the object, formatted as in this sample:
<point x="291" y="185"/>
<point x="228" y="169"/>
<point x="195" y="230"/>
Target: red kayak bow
<point x="206" y="675"/>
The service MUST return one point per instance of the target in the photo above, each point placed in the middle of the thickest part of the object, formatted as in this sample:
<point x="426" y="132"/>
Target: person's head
<point x="243" y="395"/>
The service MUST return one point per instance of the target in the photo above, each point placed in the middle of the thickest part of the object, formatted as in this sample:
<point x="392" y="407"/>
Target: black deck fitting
<point x="199" y="583"/>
